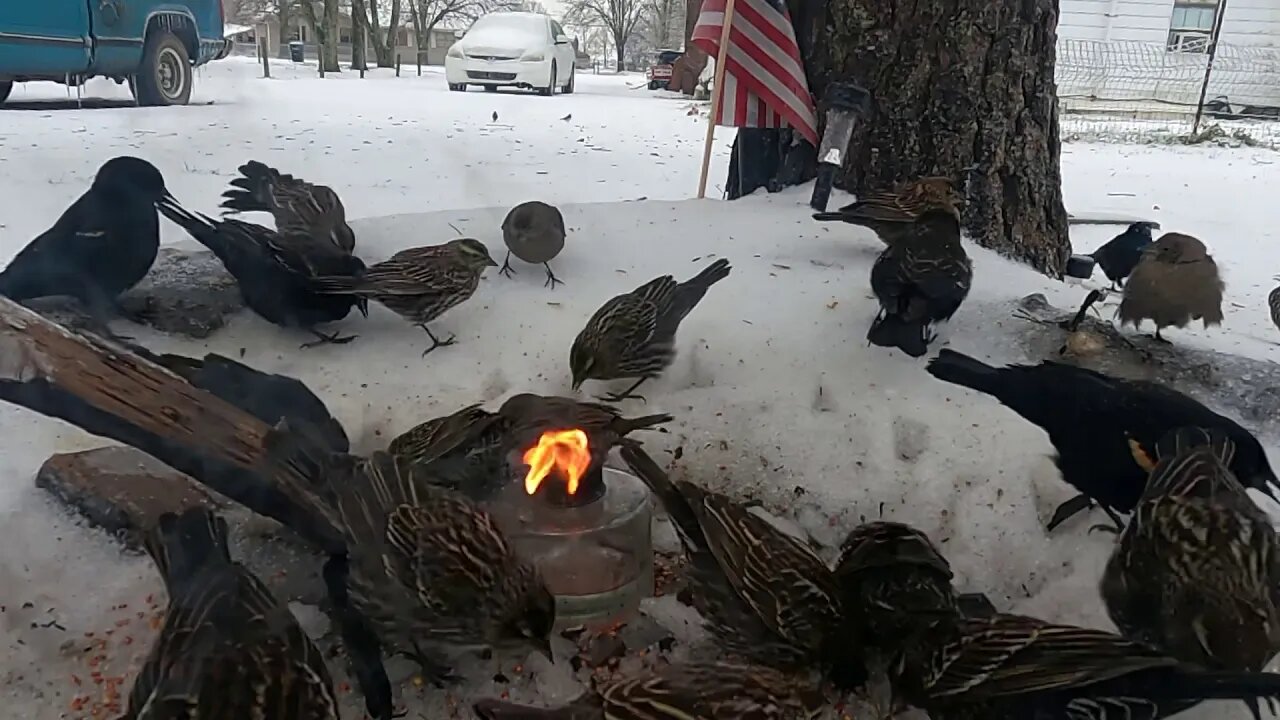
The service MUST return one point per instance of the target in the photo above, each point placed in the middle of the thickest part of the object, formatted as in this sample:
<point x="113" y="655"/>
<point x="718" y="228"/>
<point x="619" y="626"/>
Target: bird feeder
<point x="585" y="526"/>
<point x="844" y="102"/>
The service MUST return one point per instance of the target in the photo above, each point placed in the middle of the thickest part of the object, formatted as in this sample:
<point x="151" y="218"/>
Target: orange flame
<point x="564" y="449"/>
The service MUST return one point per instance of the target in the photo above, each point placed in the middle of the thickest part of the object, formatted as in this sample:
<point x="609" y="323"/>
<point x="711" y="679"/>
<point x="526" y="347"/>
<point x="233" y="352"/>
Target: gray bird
<point x="1197" y="571"/>
<point x="1175" y="282"/>
<point x="1273" y="302"/>
<point x="533" y="232"/>
<point x="495" y="116"/>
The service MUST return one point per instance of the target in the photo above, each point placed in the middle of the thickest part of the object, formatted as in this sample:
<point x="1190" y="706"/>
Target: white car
<point x="512" y="49"/>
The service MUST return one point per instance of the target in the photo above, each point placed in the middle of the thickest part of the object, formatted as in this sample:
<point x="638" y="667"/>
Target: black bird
<point x="633" y="335"/>
<point x="267" y="396"/>
<point x="1197" y="571"/>
<point x="299" y="207"/>
<point x="1121" y="254"/>
<point x="104" y="244"/>
<point x="1105" y="429"/>
<point x="277" y="273"/>
<point x="920" y="279"/>
<point x="688" y="691"/>
<point x="768" y="597"/>
<point x="1006" y="667"/>
<point x="228" y="650"/>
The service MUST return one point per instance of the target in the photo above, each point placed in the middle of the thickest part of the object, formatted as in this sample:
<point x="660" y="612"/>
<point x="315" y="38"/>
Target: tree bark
<point x="687" y="70"/>
<point x="387" y="56"/>
<point x="359" y="31"/>
<point x="329" y="56"/>
<point x="622" y="49"/>
<point x="958" y="84"/>
<point x="284" y="17"/>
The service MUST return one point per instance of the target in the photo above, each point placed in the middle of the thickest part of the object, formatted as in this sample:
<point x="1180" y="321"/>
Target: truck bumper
<point x="227" y="46"/>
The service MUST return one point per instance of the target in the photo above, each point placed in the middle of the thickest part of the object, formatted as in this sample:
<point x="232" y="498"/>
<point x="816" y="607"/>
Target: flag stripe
<point x="764" y="81"/>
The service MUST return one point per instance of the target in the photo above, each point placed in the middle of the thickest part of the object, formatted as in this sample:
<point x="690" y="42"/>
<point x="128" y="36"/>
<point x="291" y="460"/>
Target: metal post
<point x="364" y="48"/>
<point x="397" y="63"/>
<point x="320" y="56"/>
<point x="1208" y="66"/>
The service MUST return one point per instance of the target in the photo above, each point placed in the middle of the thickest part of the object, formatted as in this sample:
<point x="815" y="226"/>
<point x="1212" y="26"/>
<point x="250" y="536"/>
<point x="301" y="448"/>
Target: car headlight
<point x="533" y="56"/>
<point x="456" y="52"/>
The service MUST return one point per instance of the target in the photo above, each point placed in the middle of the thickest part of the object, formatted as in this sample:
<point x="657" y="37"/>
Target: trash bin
<point x="297" y="51"/>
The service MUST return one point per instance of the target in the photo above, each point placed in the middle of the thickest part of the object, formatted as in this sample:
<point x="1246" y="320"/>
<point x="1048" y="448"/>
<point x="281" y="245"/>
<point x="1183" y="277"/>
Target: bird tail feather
<point x="688" y="294"/>
<point x="960" y="369"/>
<point x="673" y="500"/>
<point x="251" y="192"/>
<point x="182" y="544"/>
<point x="629" y="425"/>
<point x="1218" y="685"/>
<point x="339" y="285"/>
<point x="828" y="216"/>
<point x="911" y="337"/>
<point x="198" y="226"/>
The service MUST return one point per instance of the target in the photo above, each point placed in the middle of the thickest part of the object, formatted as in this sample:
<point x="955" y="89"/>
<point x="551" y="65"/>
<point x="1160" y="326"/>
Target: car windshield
<point x="516" y="27"/>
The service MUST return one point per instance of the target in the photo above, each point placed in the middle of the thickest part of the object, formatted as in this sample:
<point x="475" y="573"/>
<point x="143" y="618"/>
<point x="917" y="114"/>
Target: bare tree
<point x="427" y="14"/>
<point x="619" y="17"/>
<point x="324" y="21"/>
<point x="382" y="22"/>
<point x="663" y="23"/>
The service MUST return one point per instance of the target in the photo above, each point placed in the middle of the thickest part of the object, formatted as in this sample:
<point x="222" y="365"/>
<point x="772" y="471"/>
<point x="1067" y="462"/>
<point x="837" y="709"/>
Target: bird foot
<point x="330" y="339"/>
<point x="506" y="270"/>
<point x="619" y="397"/>
<point x="437" y="343"/>
<point x="552" y="281"/>
<point x="434" y="672"/>
<point x="1159" y="339"/>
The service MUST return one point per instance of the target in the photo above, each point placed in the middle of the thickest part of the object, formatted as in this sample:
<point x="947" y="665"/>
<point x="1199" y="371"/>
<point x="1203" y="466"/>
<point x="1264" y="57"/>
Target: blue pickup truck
<point x="151" y="44"/>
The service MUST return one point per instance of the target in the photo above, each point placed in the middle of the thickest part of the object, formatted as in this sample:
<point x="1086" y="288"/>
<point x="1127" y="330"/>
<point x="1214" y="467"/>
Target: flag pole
<point x="717" y="97"/>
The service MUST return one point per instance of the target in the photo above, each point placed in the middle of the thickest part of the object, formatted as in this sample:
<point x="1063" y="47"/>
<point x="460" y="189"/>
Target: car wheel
<point x="165" y="75"/>
<point x="6" y="87"/>
<point x="568" y="88"/>
<point x="491" y="88"/>
<point x="550" y="89"/>
<point x="653" y="84"/>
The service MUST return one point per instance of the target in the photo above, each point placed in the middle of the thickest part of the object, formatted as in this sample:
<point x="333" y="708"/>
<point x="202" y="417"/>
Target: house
<point x="1116" y="55"/>
<point x="406" y="40"/>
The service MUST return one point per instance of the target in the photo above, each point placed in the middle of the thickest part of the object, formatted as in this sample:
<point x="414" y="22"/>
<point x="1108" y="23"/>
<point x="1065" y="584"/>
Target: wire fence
<point x="1146" y="92"/>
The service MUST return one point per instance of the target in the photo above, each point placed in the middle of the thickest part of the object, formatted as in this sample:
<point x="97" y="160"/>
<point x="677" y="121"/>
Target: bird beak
<point x="492" y="262"/>
<point x="543" y="645"/>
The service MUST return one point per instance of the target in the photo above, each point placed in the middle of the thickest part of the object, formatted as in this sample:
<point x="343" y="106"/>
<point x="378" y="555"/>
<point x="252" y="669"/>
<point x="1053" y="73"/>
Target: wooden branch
<point x="106" y="390"/>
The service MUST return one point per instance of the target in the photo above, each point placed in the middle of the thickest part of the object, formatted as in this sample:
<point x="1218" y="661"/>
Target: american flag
<point x="764" y="81"/>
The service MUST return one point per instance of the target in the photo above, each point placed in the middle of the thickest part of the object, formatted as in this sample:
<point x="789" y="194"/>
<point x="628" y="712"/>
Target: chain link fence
<point x="1146" y="92"/>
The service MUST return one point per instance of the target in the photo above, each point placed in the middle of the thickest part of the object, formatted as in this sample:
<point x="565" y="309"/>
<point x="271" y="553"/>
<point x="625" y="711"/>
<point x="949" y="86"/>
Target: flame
<point x="565" y="449"/>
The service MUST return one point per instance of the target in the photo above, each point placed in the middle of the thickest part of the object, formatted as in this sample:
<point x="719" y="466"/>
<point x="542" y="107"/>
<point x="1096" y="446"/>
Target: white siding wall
<point x="1253" y="23"/>
<point x="1118" y="20"/>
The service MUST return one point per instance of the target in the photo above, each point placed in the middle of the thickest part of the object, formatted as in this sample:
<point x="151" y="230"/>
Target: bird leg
<point x="361" y="643"/>
<point x="329" y="339"/>
<point x="435" y="342"/>
<point x="1159" y="339"/>
<point x="551" y="277"/>
<point x="506" y="270"/>
<point x="629" y="393"/>
<point x="1067" y="509"/>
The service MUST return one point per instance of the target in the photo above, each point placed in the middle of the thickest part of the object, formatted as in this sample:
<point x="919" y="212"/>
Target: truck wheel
<point x="165" y="76"/>
<point x="6" y="87"/>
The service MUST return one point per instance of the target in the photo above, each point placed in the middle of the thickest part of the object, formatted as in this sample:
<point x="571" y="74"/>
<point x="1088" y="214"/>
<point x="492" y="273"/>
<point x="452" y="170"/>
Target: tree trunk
<point x="687" y="70"/>
<point x="284" y="17"/>
<point x="622" y="49"/>
<point x="958" y="84"/>
<point x="359" y="30"/>
<point x="327" y="34"/>
<point x="387" y="55"/>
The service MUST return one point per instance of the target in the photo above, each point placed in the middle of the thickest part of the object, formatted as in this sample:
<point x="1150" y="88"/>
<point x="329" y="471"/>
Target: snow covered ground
<point x="775" y="392"/>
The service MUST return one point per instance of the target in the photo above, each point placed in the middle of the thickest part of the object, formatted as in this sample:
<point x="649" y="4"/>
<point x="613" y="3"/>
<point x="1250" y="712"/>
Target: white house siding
<point x="1112" y="54"/>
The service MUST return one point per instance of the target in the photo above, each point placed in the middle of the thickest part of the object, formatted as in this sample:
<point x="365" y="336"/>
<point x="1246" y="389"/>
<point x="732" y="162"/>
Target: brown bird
<point x="633" y="335"/>
<point x="419" y="284"/>
<point x="473" y="450"/>
<point x="1006" y="667"/>
<point x="920" y="279"/>
<point x="1197" y="571"/>
<point x="1175" y="282"/>
<point x="766" y="595"/>
<point x="426" y="571"/>
<point x="891" y="213"/>
<point x="534" y="232"/>
<point x="228" y="650"/>
<point x="299" y="207"/>
<point x="693" y="691"/>
<point x="1273" y="303"/>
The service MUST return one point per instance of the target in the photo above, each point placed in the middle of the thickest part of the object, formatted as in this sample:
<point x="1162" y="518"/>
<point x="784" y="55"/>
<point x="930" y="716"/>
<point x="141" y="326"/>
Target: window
<point x="402" y="37"/>
<point x="556" y="30"/>
<point x="1191" y="25"/>
<point x="344" y="36"/>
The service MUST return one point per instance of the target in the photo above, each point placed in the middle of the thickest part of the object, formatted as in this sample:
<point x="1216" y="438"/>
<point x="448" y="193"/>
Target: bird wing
<point x="785" y="583"/>
<point x="1014" y="655"/>
<point x="705" y="691"/>
<point x="438" y="436"/>
<point x="304" y="207"/>
<point x="416" y="276"/>
<point x="627" y="321"/>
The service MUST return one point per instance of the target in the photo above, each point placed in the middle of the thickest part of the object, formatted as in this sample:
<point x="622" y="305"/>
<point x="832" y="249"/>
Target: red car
<point x="659" y="74"/>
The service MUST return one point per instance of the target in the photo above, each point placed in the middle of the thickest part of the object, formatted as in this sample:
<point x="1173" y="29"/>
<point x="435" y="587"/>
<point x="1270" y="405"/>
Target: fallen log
<point x="108" y="391"/>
